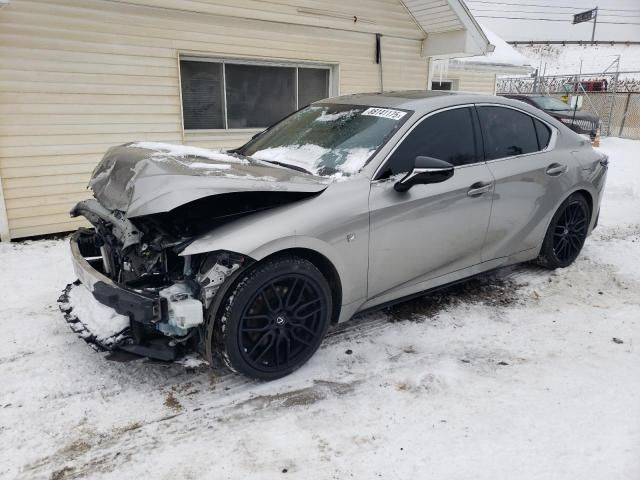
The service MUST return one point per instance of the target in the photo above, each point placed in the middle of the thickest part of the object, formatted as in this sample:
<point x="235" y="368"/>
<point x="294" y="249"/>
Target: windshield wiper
<point x="287" y="165"/>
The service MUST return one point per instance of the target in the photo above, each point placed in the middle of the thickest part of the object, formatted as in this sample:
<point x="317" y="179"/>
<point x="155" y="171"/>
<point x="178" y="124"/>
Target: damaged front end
<point x="139" y="273"/>
<point x="151" y="201"/>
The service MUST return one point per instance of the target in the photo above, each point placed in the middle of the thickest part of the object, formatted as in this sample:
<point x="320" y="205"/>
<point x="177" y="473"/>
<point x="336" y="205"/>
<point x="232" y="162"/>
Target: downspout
<point x="5" y="235"/>
<point x="379" y="59"/>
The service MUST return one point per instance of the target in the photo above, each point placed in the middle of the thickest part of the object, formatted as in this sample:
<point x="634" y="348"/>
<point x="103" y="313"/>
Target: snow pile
<point x="183" y="151"/>
<point x="503" y="55"/>
<point x="623" y="182"/>
<point x="102" y="321"/>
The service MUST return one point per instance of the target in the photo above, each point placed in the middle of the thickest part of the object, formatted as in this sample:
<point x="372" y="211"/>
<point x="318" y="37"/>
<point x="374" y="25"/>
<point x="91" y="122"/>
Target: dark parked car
<point x="580" y="122"/>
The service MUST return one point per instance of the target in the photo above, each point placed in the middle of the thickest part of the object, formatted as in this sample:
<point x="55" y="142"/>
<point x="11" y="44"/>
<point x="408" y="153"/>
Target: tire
<point x="566" y="234"/>
<point x="275" y="318"/>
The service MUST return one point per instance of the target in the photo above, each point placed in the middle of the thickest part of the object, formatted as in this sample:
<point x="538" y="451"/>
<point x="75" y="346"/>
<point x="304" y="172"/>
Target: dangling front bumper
<point x="140" y="307"/>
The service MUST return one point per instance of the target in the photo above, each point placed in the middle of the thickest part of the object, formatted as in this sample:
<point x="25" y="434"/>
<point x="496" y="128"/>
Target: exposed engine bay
<point x="181" y="287"/>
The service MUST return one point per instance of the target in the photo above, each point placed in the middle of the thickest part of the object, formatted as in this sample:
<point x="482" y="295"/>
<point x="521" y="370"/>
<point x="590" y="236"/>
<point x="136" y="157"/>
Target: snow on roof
<point x="503" y="55"/>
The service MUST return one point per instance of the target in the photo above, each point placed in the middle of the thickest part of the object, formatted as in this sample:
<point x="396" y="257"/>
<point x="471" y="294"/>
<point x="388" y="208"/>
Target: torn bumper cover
<point x="140" y="307"/>
<point x="152" y="331"/>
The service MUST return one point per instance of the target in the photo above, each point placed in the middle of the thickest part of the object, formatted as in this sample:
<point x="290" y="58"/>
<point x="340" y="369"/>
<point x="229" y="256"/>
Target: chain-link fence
<point x="619" y="112"/>
<point x="614" y="99"/>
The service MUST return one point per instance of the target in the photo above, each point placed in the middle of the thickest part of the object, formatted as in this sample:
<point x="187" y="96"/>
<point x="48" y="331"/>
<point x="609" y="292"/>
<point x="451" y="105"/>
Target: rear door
<point x="530" y="178"/>
<point x="432" y="229"/>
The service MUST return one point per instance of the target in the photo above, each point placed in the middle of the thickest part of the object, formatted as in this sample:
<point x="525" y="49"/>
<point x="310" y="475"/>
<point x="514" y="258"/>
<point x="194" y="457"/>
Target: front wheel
<point x="566" y="234"/>
<point x="275" y="318"/>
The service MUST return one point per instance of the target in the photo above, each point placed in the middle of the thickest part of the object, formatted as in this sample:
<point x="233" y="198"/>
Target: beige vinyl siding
<point x="481" y="81"/>
<point x="79" y="76"/>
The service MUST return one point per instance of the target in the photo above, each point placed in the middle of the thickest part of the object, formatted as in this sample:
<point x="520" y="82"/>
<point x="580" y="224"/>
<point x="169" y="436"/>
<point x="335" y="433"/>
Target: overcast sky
<point x="619" y="12"/>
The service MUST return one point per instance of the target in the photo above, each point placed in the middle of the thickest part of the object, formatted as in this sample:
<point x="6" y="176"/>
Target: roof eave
<point x="462" y="38"/>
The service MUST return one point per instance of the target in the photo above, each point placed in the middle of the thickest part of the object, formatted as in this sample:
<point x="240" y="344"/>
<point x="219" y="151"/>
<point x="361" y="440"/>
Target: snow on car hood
<point x="147" y="177"/>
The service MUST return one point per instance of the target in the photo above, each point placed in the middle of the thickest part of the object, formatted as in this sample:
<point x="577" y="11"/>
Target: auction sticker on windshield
<point x="384" y="113"/>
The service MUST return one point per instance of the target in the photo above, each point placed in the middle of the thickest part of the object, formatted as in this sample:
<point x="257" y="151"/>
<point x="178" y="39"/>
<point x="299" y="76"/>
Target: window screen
<point x="544" y="134"/>
<point x="202" y="91"/>
<point x="446" y="136"/>
<point x="506" y="132"/>
<point x="258" y="95"/>
<point x="313" y="85"/>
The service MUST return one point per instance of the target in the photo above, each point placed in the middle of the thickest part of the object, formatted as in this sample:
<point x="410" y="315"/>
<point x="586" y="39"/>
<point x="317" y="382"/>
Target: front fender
<point x="258" y="252"/>
<point x="334" y="225"/>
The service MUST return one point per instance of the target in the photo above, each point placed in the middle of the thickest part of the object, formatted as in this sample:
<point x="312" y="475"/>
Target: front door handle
<point x="479" y="188"/>
<point x="555" y="169"/>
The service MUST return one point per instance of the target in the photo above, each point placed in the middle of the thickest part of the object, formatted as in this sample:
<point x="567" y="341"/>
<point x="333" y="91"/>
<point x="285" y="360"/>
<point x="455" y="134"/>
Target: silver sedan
<point x="351" y="203"/>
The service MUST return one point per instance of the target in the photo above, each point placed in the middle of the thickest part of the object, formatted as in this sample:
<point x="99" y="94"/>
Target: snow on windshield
<point x="331" y="117"/>
<point x="329" y="140"/>
<point x="309" y="157"/>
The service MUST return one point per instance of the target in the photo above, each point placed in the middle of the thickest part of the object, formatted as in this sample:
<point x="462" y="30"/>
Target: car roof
<point x="418" y="100"/>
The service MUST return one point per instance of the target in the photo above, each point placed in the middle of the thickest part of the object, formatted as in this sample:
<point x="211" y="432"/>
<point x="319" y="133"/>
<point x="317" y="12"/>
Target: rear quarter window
<point x="543" y="132"/>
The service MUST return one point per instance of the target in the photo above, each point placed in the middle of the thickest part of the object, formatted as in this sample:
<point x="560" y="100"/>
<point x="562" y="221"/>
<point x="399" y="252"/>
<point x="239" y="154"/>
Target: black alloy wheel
<point x="570" y="231"/>
<point x="275" y="319"/>
<point x="567" y="233"/>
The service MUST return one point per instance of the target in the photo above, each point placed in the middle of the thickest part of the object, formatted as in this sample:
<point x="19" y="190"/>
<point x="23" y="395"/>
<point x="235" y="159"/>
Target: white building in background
<point x="478" y="74"/>
<point x="79" y="76"/>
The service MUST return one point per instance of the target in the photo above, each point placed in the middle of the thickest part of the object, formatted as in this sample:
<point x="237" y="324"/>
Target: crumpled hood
<point x="146" y="177"/>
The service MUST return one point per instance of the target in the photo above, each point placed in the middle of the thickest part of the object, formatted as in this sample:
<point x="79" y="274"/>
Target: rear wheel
<point x="275" y="318"/>
<point x="566" y="234"/>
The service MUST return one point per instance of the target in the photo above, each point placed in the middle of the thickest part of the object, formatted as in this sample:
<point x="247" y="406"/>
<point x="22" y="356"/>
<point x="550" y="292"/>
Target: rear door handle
<point x="479" y="188"/>
<point x="555" y="169"/>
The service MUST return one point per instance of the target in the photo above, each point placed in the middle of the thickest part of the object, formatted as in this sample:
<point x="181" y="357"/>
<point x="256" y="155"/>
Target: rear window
<point x="507" y="132"/>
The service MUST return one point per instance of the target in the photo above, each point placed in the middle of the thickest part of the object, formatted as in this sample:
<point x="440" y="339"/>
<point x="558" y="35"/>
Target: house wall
<point x="78" y="76"/>
<point x="476" y="81"/>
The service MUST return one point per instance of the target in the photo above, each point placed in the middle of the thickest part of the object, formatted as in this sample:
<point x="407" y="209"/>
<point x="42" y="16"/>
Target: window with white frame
<point x="224" y="94"/>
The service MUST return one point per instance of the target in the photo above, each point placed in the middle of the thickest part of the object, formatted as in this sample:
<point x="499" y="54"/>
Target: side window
<point x="544" y="134"/>
<point x="507" y="132"/>
<point x="448" y="136"/>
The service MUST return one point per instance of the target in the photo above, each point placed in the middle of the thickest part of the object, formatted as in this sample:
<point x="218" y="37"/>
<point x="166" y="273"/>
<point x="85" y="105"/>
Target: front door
<point x="432" y="229"/>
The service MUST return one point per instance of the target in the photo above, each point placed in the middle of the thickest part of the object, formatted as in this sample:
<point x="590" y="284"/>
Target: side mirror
<point x="425" y="170"/>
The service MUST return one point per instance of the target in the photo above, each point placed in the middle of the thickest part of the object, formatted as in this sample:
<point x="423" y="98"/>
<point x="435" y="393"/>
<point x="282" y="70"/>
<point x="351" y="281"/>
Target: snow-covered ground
<point x="528" y="374"/>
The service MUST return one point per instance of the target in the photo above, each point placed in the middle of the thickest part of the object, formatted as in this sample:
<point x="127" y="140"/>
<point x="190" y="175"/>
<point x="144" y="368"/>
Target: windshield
<point x="327" y="139"/>
<point x="550" y="103"/>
